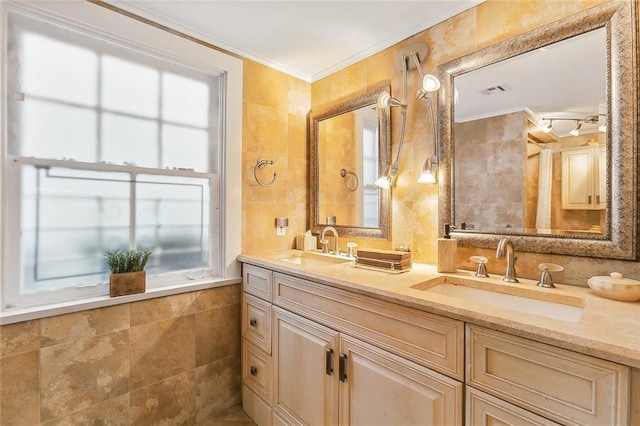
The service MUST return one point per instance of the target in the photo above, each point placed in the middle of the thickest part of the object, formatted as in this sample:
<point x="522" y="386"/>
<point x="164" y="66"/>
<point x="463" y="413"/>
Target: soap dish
<point x="616" y="287"/>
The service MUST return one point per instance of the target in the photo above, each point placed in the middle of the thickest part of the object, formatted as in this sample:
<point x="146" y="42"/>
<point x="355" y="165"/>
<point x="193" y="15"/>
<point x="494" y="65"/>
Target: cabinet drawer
<point x="483" y="409"/>
<point x="257" y="281"/>
<point x="562" y="385"/>
<point x="257" y="371"/>
<point x="427" y="339"/>
<point x="255" y="407"/>
<point x="256" y="322"/>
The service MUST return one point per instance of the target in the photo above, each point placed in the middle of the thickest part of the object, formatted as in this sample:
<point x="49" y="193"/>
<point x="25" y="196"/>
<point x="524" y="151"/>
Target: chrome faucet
<point x="336" y="246"/>
<point x="505" y="249"/>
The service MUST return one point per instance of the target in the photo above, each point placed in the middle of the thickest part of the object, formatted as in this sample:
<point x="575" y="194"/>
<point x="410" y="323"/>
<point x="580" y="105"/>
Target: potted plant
<point x="127" y="270"/>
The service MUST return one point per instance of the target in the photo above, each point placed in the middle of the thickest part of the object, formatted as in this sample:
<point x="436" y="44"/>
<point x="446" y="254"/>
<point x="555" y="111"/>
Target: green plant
<point x="120" y="261"/>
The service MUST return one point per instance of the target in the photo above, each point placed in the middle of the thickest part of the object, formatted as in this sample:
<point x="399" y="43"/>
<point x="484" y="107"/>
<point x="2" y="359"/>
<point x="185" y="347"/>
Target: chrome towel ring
<point x="344" y="173"/>
<point x="261" y="164"/>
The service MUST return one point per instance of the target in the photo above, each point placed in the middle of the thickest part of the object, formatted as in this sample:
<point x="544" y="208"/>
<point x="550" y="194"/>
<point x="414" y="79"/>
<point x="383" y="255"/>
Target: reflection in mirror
<point x="528" y="141"/>
<point x="538" y="136"/>
<point x="348" y="152"/>
<point x="349" y="142"/>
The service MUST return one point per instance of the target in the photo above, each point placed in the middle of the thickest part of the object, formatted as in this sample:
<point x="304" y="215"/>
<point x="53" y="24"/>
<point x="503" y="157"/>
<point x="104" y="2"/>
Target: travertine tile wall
<point x="274" y="128"/>
<point x="415" y="207"/>
<point x="490" y="168"/>
<point x="170" y="360"/>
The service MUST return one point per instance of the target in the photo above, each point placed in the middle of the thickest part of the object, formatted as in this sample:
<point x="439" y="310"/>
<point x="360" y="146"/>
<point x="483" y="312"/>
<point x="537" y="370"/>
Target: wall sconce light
<point x="430" y="83"/>
<point x="429" y="171"/>
<point x="385" y="100"/>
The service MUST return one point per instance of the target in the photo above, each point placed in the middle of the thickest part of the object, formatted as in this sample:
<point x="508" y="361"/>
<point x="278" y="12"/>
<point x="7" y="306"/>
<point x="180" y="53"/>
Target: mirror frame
<point x="342" y="106"/>
<point x="620" y="239"/>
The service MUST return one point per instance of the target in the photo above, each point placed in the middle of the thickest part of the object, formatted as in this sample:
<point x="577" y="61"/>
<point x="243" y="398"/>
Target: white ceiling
<point x="566" y="79"/>
<point x="304" y="38"/>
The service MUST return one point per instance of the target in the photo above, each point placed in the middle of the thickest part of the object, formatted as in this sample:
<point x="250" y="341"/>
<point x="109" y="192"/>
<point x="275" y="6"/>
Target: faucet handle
<point x="481" y="271"/>
<point x="325" y="245"/>
<point x="546" y="280"/>
<point x="350" y="247"/>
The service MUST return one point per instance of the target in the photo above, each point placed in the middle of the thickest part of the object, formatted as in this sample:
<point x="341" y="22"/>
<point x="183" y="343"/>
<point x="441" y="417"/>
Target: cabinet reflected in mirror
<point x="348" y="145"/>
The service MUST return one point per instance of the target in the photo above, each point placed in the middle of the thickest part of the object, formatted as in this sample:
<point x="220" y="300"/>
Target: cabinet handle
<point x="342" y="366"/>
<point x="598" y="199"/>
<point x="253" y="322"/>
<point x="328" y="361"/>
<point x="253" y="370"/>
<point x="589" y="199"/>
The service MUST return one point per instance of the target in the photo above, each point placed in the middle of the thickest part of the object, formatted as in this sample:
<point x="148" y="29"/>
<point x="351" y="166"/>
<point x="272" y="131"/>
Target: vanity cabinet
<point x="324" y="377"/>
<point x="338" y="358"/>
<point x="584" y="178"/>
<point x="561" y="385"/>
<point x="314" y="354"/>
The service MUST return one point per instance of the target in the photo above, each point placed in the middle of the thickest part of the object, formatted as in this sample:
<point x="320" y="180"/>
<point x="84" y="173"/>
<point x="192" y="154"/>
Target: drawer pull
<point x="253" y="322"/>
<point x="254" y="371"/>
<point x="328" y="362"/>
<point x="342" y="367"/>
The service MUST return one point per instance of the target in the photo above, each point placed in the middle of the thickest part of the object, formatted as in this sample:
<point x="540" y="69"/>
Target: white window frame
<point x="104" y="23"/>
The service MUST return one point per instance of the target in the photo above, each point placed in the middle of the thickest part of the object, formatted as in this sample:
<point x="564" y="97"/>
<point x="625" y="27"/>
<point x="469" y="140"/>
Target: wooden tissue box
<point x="306" y="242"/>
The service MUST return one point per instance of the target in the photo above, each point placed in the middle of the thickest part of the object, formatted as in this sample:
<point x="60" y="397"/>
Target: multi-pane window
<point x="107" y="147"/>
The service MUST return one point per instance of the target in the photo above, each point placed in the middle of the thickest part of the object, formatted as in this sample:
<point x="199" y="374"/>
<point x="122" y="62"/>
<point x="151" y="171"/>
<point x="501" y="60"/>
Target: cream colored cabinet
<point x="380" y="388"/>
<point x="257" y="362"/>
<point x="338" y="358"/>
<point x="561" y="385"/>
<point x="584" y="178"/>
<point x="314" y="364"/>
<point x="306" y="389"/>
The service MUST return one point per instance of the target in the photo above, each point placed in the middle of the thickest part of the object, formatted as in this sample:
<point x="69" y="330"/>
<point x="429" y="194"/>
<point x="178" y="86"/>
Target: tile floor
<point x="234" y="416"/>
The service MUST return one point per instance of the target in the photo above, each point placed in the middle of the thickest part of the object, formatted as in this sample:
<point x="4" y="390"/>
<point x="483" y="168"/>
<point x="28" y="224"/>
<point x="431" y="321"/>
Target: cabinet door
<point x="380" y="388"/>
<point x="304" y="354"/>
<point x="577" y="179"/>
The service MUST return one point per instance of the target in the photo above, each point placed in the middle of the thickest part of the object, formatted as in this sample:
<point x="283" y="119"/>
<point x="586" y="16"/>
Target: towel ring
<point x="344" y="173"/>
<point x="261" y="164"/>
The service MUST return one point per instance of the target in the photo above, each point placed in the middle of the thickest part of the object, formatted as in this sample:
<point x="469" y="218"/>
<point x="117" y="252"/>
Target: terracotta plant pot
<point x="127" y="283"/>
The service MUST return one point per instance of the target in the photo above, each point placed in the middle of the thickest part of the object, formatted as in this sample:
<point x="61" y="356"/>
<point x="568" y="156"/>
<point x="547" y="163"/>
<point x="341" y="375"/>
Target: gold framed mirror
<point x="612" y="230"/>
<point x="349" y="144"/>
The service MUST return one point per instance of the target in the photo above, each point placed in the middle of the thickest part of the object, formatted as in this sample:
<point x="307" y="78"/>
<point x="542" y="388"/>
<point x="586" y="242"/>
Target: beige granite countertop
<point x="607" y="329"/>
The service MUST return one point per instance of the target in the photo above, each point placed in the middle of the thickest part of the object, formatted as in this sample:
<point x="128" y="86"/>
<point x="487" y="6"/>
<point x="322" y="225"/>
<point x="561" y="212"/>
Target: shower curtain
<point x="543" y="215"/>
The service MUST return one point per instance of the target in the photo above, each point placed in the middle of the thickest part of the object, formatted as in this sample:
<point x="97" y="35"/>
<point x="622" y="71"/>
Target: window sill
<point x="12" y="316"/>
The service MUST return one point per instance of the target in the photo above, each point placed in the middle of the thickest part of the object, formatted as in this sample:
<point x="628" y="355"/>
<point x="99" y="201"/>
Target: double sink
<point x="515" y="297"/>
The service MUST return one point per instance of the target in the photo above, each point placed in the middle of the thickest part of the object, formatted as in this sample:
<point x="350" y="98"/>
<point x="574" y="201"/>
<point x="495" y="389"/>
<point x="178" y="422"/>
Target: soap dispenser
<point x="447" y="256"/>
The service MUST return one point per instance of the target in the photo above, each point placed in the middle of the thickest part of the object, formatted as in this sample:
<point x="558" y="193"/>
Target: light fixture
<point x="576" y="131"/>
<point x="385" y="100"/>
<point x="545" y="127"/>
<point x="546" y="124"/>
<point x="430" y="83"/>
<point x="429" y="170"/>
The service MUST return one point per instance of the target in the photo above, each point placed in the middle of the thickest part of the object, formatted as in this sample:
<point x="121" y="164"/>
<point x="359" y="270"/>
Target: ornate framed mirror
<point x="489" y="129"/>
<point x="349" y="143"/>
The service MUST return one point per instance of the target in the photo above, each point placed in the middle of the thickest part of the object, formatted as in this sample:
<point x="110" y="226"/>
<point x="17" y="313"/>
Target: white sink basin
<point x="513" y="297"/>
<point x="310" y="258"/>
